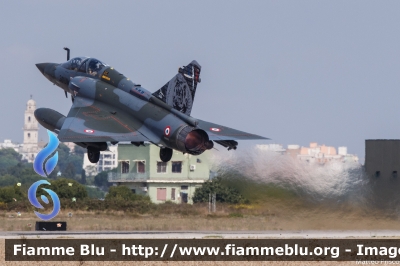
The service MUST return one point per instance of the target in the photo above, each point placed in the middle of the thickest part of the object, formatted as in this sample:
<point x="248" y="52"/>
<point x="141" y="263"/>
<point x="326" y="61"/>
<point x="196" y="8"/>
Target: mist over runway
<point x="332" y="181"/>
<point x="335" y="184"/>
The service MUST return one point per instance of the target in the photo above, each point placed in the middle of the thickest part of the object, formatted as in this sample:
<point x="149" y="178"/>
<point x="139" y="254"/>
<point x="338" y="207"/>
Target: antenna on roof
<point x="67" y="49"/>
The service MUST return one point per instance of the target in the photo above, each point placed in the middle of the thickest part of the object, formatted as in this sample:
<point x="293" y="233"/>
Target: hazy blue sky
<point x="293" y="71"/>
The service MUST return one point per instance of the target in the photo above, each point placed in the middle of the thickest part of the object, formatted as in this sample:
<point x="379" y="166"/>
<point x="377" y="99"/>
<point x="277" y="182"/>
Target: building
<point x="293" y="151"/>
<point x="382" y="167"/>
<point x="271" y="147"/>
<point x="321" y="154"/>
<point x="141" y="169"/>
<point x="30" y="147"/>
<point x="382" y="158"/>
<point x="8" y="144"/>
<point x="70" y="145"/>
<point x="108" y="161"/>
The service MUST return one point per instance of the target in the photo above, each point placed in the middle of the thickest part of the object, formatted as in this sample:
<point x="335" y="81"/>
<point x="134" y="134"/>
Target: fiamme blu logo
<point x="43" y="165"/>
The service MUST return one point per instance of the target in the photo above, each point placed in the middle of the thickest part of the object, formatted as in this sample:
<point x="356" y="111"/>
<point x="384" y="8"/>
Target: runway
<point x="375" y="234"/>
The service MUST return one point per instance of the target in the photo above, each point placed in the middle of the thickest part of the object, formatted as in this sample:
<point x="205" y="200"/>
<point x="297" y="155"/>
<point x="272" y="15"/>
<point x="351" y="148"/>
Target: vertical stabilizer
<point x="180" y="90"/>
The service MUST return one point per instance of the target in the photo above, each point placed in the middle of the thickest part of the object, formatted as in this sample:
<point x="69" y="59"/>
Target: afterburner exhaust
<point x="198" y="140"/>
<point x="193" y="141"/>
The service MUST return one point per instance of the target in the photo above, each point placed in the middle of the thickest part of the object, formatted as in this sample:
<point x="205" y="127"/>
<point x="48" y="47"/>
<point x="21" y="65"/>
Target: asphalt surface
<point x="201" y="234"/>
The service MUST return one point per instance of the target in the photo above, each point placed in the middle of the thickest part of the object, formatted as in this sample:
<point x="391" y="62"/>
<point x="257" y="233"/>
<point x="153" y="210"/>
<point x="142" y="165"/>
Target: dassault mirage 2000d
<point x="109" y="108"/>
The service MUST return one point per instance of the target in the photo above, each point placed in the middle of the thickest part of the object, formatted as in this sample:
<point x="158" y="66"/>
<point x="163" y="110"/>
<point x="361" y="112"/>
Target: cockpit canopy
<point x="91" y="66"/>
<point x="74" y="63"/>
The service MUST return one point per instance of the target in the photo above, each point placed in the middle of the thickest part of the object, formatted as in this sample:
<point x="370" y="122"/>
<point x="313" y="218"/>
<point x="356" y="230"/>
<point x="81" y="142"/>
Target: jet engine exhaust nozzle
<point x="193" y="141"/>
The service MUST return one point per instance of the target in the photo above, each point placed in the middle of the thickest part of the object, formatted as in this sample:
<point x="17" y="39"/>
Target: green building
<point x="141" y="169"/>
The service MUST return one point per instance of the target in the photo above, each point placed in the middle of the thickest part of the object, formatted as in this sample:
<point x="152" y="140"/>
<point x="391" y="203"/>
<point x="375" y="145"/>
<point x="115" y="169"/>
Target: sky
<point x="293" y="71"/>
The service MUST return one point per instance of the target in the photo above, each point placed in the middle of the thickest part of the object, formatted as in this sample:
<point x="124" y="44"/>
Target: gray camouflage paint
<point x="108" y="107"/>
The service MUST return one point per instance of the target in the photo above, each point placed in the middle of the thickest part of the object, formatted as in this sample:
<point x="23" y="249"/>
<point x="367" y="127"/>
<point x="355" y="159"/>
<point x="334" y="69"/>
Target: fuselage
<point x="61" y="74"/>
<point x="93" y="80"/>
<point x="148" y="118"/>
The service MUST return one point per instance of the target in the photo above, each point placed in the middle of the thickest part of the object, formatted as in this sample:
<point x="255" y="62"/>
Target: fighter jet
<point x="108" y="108"/>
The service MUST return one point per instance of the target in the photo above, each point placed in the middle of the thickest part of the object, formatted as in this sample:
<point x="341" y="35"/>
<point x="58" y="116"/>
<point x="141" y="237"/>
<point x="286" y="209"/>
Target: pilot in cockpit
<point x="94" y="67"/>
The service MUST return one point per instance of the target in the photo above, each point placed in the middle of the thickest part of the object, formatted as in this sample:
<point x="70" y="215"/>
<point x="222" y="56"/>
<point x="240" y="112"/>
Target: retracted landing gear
<point x="93" y="155"/>
<point x="165" y="154"/>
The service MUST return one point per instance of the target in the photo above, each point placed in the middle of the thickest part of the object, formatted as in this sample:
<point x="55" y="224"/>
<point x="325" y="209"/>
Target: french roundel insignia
<point x="215" y="129"/>
<point x="89" y="131"/>
<point x="167" y="131"/>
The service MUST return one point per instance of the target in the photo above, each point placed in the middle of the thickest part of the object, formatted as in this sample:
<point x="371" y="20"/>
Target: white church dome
<point x="31" y="102"/>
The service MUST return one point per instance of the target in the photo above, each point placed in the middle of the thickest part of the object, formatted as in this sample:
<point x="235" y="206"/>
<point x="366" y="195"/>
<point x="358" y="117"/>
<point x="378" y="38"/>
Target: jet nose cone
<point x="42" y="67"/>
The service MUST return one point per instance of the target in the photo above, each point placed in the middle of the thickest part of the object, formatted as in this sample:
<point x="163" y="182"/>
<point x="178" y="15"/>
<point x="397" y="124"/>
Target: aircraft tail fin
<point x="180" y="90"/>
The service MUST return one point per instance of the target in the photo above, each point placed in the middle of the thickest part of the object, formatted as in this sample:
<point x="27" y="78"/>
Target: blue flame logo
<point x="44" y="169"/>
<point x="32" y="198"/>
<point x="43" y="154"/>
